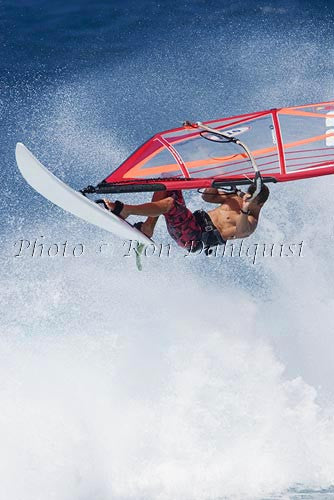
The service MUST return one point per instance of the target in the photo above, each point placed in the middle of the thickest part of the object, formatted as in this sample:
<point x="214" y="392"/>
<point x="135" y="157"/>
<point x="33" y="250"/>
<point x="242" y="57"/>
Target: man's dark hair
<point x="263" y="194"/>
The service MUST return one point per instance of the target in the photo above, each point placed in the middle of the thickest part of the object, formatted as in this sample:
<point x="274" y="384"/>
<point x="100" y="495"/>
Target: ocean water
<point x="199" y="378"/>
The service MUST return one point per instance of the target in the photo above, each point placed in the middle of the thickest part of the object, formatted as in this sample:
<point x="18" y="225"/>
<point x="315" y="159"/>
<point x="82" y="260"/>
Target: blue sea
<point x="199" y="378"/>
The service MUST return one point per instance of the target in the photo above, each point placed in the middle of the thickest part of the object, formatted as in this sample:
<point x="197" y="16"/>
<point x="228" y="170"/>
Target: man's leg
<point x="158" y="206"/>
<point x="161" y="203"/>
<point x="181" y="223"/>
<point x="150" y="223"/>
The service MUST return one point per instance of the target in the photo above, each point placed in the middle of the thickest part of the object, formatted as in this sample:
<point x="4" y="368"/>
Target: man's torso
<point x="225" y="217"/>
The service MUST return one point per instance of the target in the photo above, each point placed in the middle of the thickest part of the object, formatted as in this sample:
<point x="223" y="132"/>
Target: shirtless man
<point x="236" y="216"/>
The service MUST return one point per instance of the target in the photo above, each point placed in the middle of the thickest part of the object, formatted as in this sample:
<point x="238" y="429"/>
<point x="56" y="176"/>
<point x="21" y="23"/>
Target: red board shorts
<point x="181" y="223"/>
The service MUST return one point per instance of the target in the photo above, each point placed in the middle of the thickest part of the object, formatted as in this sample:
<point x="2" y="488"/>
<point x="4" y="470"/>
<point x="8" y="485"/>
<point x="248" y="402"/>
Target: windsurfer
<point x="235" y="217"/>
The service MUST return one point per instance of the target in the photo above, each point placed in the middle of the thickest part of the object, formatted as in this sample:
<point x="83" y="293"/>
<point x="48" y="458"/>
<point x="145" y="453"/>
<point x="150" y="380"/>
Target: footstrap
<point x="138" y="225"/>
<point x="117" y="209"/>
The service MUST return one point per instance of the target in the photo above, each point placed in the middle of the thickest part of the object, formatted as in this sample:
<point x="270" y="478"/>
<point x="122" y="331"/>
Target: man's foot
<point x="111" y="206"/>
<point x="146" y="227"/>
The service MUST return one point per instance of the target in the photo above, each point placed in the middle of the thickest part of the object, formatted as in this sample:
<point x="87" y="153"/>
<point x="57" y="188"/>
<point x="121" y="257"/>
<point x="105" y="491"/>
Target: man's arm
<point x="212" y="195"/>
<point x="246" y="225"/>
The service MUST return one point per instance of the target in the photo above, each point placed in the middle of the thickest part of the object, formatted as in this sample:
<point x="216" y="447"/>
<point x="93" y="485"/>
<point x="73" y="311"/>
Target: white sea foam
<point x="117" y="384"/>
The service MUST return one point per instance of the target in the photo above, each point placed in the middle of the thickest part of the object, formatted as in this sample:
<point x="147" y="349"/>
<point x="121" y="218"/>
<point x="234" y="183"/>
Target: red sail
<point x="287" y="144"/>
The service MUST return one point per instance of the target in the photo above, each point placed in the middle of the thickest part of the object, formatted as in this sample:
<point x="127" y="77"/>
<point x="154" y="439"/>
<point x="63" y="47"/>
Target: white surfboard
<point x="59" y="193"/>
